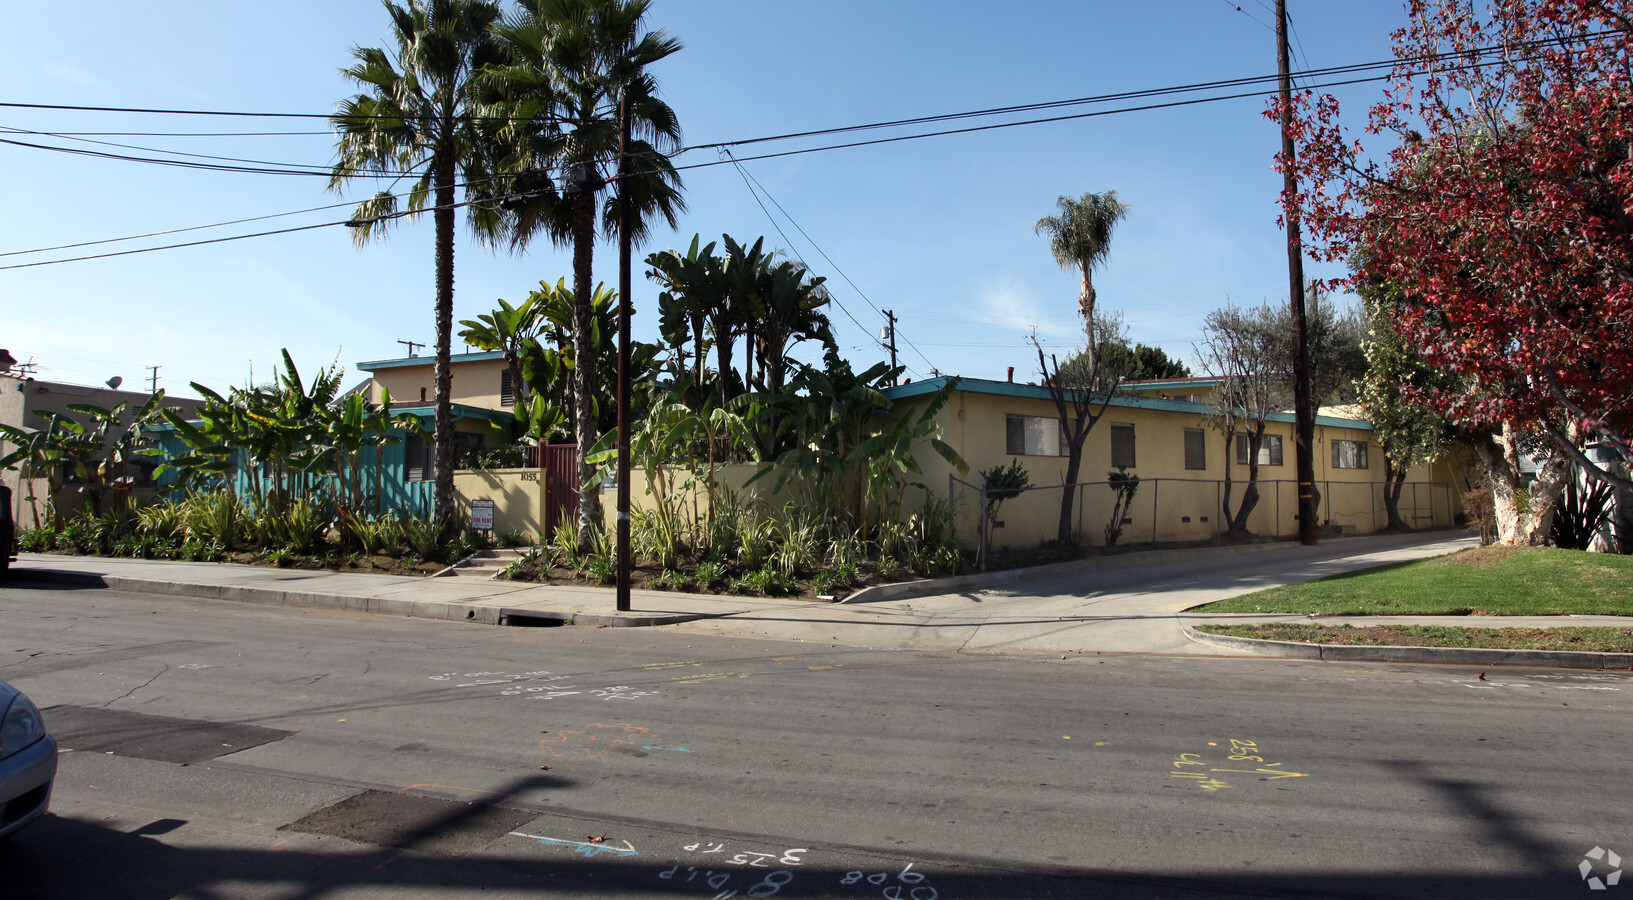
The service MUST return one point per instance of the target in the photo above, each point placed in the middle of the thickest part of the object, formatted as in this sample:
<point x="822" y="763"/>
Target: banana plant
<point x="509" y="329"/>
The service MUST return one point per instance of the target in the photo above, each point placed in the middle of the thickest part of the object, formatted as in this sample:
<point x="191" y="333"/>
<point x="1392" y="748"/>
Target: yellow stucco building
<point x="1163" y="433"/>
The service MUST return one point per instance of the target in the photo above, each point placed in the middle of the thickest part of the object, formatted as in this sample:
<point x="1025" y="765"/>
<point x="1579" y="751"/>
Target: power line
<point x="221" y="240"/>
<point x="135" y="237"/>
<point x="829" y="260"/>
<point x="1476" y="53"/>
<point x="68" y="137"/>
<point x="749" y="183"/>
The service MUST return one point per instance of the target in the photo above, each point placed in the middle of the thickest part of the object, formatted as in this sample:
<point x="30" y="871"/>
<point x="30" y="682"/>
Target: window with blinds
<point x="1269" y="450"/>
<point x="1196" y="448"/>
<point x="1033" y="436"/>
<point x="507" y="390"/>
<point x="419" y="459"/>
<point x="1349" y="454"/>
<point x="1122" y="445"/>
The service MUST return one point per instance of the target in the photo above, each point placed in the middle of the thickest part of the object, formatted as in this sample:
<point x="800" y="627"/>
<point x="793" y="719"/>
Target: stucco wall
<point x="475" y="382"/>
<point x="517" y="495"/>
<point x="1172" y="503"/>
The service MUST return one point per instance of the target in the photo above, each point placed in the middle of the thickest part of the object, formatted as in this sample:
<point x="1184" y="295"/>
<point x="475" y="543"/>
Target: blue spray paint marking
<point x="676" y="749"/>
<point x="585" y="848"/>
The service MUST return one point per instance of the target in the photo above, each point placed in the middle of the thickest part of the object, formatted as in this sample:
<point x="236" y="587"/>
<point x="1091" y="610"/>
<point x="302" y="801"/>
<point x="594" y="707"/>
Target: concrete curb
<point x="456" y="611"/>
<point x="978" y="581"/>
<point x="1560" y="659"/>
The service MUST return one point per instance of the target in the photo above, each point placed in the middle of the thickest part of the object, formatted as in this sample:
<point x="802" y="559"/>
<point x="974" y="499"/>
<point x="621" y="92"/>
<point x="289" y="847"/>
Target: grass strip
<point x="1589" y="640"/>
<point x="1485" y="581"/>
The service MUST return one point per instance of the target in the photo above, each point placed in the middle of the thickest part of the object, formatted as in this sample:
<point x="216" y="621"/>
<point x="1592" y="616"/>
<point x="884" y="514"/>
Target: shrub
<point x="38" y="540"/>
<point x="709" y="573"/>
<point x="213" y="518"/>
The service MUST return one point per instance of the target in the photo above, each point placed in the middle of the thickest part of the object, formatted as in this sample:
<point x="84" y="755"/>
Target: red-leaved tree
<point x="1502" y="210"/>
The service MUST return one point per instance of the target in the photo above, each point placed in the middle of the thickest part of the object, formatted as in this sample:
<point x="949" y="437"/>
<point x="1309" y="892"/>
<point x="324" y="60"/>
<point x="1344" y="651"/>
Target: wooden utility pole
<point x="1303" y="403"/>
<point x="890" y="334"/>
<point x="623" y="353"/>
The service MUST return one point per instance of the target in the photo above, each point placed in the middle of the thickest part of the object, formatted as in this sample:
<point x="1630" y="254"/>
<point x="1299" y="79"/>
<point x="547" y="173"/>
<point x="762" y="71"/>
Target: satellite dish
<point x="115" y="382"/>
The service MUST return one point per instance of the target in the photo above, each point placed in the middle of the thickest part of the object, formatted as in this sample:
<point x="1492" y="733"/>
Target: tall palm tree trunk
<point x="584" y="381"/>
<point x="1085" y="305"/>
<point x="444" y="376"/>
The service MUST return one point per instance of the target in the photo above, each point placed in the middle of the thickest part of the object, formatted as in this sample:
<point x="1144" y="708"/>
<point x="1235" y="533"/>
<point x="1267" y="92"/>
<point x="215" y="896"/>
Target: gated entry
<point x="559" y="463"/>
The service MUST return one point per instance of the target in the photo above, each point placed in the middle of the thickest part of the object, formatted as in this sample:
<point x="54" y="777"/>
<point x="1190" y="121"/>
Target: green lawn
<point x="1592" y="640"/>
<point x="1486" y="581"/>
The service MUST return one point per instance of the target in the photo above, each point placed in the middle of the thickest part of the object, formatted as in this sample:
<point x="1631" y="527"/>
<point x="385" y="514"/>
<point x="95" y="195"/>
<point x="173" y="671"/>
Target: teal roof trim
<point x="1037" y="392"/>
<point x="461" y="411"/>
<point x="484" y="356"/>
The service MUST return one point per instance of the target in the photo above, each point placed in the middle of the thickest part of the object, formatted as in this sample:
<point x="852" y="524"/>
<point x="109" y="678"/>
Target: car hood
<point x="7" y="692"/>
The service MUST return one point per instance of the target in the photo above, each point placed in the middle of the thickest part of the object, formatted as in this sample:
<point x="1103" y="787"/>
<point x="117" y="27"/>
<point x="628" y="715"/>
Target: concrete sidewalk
<point x="1125" y="603"/>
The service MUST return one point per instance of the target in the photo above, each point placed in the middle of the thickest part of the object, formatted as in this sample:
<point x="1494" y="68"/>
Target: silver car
<point x="28" y="761"/>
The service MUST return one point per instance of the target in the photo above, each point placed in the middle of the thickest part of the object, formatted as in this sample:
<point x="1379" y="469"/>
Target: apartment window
<point x="419" y="459"/>
<point x="1349" y="454"/>
<point x="1269" y="450"/>
<point x="507" y="390"/>
<point x="1122" y="445"/>
<point x="1033" y="436"/>
<point x="1196" y="449"/>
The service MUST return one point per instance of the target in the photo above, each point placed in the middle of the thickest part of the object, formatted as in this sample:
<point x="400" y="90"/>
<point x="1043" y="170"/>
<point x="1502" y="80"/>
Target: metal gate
<point x="559" y="463"/>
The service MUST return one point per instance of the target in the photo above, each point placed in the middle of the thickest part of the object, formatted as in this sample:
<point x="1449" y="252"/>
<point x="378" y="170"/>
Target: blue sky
<point x="939" y="230"/>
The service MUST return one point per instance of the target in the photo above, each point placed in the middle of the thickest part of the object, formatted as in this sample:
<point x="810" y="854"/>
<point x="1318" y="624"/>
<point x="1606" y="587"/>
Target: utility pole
<point x="153" y="380"/>
<point x="411" y="345"/>
<point x="1303" y="403"/>
<point x="624" y="313"/>
<point x="889" y="334"/>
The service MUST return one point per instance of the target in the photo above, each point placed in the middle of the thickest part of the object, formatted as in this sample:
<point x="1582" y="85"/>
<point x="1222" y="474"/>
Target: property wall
<point x="517" y="495"/>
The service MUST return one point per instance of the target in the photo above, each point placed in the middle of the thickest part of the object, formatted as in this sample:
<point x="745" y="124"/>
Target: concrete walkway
<point x="1128" y="603"/>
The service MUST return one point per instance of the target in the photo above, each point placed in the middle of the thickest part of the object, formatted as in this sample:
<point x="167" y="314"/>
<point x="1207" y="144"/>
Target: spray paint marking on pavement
<point x="539" y="685"/>
<point x="587" y="849"/>
<point x="595" y="740"/>
<point x="904" y="885"/>
<point x="1205" y="774"/>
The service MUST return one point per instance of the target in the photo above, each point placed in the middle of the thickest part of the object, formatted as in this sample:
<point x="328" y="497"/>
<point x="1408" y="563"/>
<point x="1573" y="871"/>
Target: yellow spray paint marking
<point x="815" y="668"/>
<point x="1171" y="607"/>
<point x="1192" y="767"/>
<point x="699" y="677"/>
<point x="1102" y="744"/>
<point x="1272" y="773"/>
<point x="781" y="658"/>
<point x="1065" y="737"/>
<point x="668" y="665"/>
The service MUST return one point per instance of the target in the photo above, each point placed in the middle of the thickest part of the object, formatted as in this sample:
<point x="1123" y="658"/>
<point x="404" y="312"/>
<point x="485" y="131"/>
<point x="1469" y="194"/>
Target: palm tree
<point x="415" y="116"/>
<point x="793" y="301"/>
<point x="1080" y="237"/>
<point x="572" y="64"/>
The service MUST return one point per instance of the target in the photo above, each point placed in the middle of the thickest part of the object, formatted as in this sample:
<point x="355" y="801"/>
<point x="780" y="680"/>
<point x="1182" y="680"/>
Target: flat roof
<point x="455" y="359"/>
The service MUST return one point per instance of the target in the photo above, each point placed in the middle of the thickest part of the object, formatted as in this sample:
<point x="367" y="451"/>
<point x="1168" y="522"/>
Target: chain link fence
<point x="1182" y="510"/>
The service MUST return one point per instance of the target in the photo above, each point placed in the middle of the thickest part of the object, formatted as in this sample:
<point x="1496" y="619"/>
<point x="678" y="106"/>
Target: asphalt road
<point x="222" y="750"/>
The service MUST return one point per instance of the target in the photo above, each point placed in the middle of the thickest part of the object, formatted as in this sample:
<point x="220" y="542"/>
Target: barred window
<point x="507" y="390"/>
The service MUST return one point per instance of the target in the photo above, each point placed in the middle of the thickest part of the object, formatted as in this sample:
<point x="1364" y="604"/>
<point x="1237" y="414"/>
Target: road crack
<point x="138" y="687"/>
